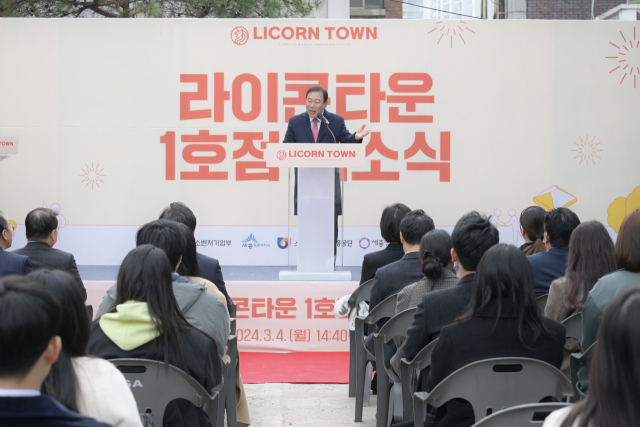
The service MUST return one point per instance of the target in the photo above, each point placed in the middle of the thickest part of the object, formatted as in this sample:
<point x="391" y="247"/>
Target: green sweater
<point x="604" y="290"/>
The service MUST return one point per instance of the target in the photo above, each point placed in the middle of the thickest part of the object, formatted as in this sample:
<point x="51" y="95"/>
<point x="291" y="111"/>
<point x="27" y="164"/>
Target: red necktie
<point x="315" y="130"/>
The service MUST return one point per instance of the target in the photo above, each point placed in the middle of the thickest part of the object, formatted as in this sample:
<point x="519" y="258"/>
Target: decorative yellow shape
<point x="13" y="224"/>
<point x="554" y="197"/>
<point x="616" y="212"/>
<point x="621" y="207"/>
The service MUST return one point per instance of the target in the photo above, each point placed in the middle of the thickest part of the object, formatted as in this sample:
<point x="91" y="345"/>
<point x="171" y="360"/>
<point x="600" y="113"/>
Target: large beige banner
<point x="117" y="118"/>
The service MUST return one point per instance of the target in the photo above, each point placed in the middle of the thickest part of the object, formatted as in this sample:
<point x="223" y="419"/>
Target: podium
<point x="316" y="165"/>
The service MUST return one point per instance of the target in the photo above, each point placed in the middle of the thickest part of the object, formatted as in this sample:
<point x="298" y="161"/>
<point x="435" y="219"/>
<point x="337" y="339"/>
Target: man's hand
<point x="362" y="133"/>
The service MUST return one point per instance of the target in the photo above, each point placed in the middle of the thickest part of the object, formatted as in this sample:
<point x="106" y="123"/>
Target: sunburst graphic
<point x="92" y="175"/>
<point x="451" y="30"/>
<point x="627" y="58"/>
<point x="587" y="151"/>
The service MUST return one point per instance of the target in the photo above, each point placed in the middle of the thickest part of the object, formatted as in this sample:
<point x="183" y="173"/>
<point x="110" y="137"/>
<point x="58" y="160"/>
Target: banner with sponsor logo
<point x="118" y="118"/>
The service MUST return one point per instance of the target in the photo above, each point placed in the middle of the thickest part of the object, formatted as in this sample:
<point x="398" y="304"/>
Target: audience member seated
<point x="394" y="277"/>
<point x="615" y="385"/>
<point x="390" y="232"/>
<point x="11" y="263"/>
<point x="42" y="233"/>
<point x="551" y="264"/>
<point x="90" y="386"/>
<point x="29" y="320"/>
<point x="437" y="267"/>
<point x="532" y="230"/>
<point x="202" y="309"/>
<point x="209" y="267"/>
<point x="590" y="257"/>
<point x="502" y="320"/>
<point x="627" y="257"/>
<point x="190" y="268"/>
<point x="472" y="236"/>
<point x="145" y="322"/>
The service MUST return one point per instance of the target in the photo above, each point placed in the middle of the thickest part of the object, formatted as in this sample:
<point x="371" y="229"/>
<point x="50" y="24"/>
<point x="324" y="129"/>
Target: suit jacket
<point x="43" y="256"/>
<point x="41" y="411"/>
<point x="210" y="270"/>
<point x="411" y="296"/>
<point x="547" y="267"/>
<point x="373" y="261"/>
<point x="480" y="337"/>
<point x="11" y="263"/>
<point x="436" y="310"/>
<point x="299" y="130"/>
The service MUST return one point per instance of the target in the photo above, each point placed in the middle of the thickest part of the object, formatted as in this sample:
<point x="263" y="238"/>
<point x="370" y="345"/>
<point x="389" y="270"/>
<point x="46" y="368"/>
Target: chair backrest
<point x="386" y="308"/>
<point x="397" y="326"/>
<point x="541" y="302"/>
<point x="232" y="326"/>
<point x="493" y="384"/>
<point x="576" y="361"/>
<point x="234" y="309"/>
<point x="423" y="358"/>
<point x="521" y="416"/>
<point x="574" y="326"/>
<point x="362" y="293"/>
<point x="154" y="386"/>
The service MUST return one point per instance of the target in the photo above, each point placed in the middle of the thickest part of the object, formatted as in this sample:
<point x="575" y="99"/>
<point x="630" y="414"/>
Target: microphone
<point x="324" y="120"/>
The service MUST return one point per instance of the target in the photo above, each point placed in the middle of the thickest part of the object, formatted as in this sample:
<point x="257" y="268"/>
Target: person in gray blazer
<point x="472" y="236"/>
<point x="42" y="234"/>
<point x="392" y="278"/>
<point x="11" y="263"/>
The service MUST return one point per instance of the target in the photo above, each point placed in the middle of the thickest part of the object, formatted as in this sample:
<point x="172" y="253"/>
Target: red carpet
<point x="297" y="368"/>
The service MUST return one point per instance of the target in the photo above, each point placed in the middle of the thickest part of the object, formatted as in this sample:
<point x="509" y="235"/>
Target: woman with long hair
<point x="590" y="258"/>
<point x="532" y="230"/>
<point x="189" y="267"/>
<point x="145" y="322"/>
<point x="89" y="386"/>
<point x="502" y="320"/>
<point x="437" y="266"/>
<point x="615" y="371"/>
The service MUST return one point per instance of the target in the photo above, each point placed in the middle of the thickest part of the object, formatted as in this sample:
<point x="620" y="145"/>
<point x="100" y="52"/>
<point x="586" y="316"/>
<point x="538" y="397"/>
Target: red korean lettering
<point x="322" y="306"/>
<point x="410" y="101"/>
<point x="169" y="139"/>
<point x="443" y="166"/>
<point x="204" y="143"/>
<point x="376" y="96"/>
<point x="316" y="79"/>
<point x="376" y="173"/>
<point x="282" y="308"/>
<point x="242" y="305"/>
<point x="256" y="97"/>
<point x="186" y="113"/>
<point x="248" y="147"/>
<point x="219" y="97"/>
<point x="343" y="91"/>
<point x="257" y="303"/>
<point x="272" y="97"/>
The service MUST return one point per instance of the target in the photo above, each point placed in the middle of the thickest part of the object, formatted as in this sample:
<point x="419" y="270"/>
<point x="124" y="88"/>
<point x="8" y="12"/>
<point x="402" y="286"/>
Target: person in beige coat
<point x="437" y="266"/>
<point x="590" y="257"/>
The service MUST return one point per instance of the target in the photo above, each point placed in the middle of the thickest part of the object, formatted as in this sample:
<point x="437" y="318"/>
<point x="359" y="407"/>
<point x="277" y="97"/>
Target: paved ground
<point x="283" y="405"/>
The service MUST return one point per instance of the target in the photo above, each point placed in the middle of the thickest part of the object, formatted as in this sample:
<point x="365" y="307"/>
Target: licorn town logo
<point x="282" y="155"/>
<point x="239" y="35"/>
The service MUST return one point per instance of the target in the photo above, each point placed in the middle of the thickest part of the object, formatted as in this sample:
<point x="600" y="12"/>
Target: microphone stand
<point x="324" y="120"/>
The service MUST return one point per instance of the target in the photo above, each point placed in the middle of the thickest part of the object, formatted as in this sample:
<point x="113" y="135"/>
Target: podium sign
<point x="8" y="146"/>
<point x="315" y="155"/>
<point x="316" y="165"/>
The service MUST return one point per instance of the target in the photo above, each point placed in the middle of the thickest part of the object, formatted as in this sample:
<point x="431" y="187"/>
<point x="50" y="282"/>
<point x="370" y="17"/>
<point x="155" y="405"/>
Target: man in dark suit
<point x="29" y="320"/>
<point x="392" y="278"/>
<point x="390" y="231"/>
<point x="309" y="127"/>
<point x="11" y="263"/>
<point x="472" y="236"/>
<point x="548" y="266"/>
<point x="42" y="233"/>
<point x="209" y="267"/>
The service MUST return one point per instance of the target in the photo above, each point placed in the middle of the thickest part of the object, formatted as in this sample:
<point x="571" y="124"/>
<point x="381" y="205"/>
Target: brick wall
<point x="568" y="9"/>
<point x="394" y="9"/>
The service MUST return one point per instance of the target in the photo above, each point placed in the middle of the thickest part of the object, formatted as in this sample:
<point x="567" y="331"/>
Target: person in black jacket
<point x="145" y="322"/>
<point x="209" y="267"/>
<point x="390" y="232"/>
<point x="42" y="233"/>
<point x="502" y="320"/>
